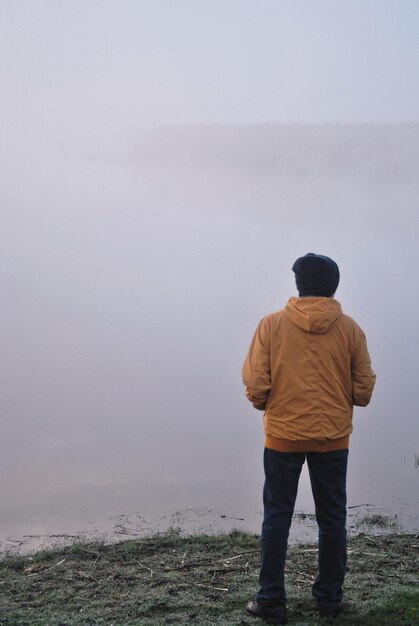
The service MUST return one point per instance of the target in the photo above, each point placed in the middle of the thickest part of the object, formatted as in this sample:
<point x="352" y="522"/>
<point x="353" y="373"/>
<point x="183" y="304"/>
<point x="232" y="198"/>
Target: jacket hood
<point x="314" y="315"/>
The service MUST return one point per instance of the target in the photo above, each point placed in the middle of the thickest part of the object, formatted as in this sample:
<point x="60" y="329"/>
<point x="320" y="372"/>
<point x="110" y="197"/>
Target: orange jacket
<point x="307" y="365"/>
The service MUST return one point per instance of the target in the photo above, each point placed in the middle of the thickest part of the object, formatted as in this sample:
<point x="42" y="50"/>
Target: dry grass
<point x="201" y="580"/>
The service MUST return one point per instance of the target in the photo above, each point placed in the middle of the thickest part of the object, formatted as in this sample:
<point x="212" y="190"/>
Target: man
<point x="307" y="365"/>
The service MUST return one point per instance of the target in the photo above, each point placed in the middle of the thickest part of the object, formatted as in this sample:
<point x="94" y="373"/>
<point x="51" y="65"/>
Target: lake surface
<point x="131" y="290"/>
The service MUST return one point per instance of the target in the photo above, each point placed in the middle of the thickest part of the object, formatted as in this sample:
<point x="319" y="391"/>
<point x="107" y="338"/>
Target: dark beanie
<point x="316" y="275"/>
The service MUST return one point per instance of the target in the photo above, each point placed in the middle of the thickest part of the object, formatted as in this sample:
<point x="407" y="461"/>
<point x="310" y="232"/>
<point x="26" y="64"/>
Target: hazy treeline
<point x="365" y="151"/>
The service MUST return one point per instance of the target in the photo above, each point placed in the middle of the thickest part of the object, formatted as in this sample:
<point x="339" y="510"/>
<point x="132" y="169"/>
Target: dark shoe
<point x="328" y="611"/>
<point x="271" y="614"/>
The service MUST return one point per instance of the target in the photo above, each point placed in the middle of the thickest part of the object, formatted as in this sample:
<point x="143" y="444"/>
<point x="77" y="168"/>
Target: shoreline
<point x="363" y="518"/>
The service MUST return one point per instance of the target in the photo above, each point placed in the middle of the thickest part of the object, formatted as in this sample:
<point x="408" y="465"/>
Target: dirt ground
<point x="170" y="579"/>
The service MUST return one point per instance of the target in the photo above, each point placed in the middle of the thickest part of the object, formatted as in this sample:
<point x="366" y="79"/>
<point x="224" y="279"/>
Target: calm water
<point x="130" y="295"/>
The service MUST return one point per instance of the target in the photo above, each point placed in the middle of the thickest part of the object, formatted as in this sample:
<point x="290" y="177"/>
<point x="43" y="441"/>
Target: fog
<point x="132" y="289"/>
<point x="143" y="237"/>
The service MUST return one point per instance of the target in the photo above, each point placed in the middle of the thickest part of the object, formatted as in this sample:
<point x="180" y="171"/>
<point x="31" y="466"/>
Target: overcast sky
<point x="80" y="66"/>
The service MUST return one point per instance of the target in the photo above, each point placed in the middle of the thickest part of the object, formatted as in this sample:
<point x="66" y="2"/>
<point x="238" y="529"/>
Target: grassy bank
<point x="200" y="580"/>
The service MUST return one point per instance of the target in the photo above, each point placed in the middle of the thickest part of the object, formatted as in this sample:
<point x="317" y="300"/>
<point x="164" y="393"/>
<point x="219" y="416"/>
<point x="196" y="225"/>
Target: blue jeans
<point x="328" y="483"/>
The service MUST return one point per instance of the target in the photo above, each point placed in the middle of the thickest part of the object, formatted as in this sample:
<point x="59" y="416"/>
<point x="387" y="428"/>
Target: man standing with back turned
<point x="307" y="365"/>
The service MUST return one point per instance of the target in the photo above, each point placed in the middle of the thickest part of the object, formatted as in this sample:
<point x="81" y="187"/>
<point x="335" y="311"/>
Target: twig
<point x="55" y="565"/>
<point x="232" y="558"/>
<point x="206" y="562"/>
<point x="208" y="587"/>
<point x="86" y="575"/>
<point x="147" y="568"/>
<point x="76" y="591"/>
<point x="18" y="542"/>
<point x="358" y="506"/>
<point x="365" y="553"/>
